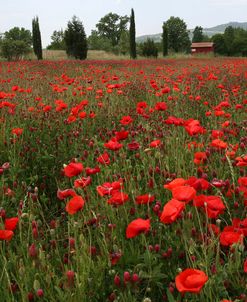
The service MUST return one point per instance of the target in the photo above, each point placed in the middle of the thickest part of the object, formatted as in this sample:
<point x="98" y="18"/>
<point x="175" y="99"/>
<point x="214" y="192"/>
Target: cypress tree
<point x="37" y="44"/>
<point x="165" y="40"/>
<point x="132" y="35"/>
<point x="75" y="39"/>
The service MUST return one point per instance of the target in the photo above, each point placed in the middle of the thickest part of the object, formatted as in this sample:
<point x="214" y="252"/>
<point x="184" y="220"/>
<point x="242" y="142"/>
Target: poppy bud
<point x="40" y="293"/>
<point x="117" y="280"/>
<point x="30" y="296"/>
<point x="157" y="248"/>
<point x="126" y="276"/>
<point x="70" y="277"/>
<point x="112" y="297"/>
<point x="2" y="213"/>
<point x="135" y="278"/>
<point x="32" y="251"/>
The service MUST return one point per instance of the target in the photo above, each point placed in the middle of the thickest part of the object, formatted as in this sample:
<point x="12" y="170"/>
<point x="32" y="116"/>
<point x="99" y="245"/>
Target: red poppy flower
<point x="82" y="115"/>
<point x="155" y="144"/>
<point x="90" y="171"/>
<point x="82" y="182"/>
<point x="113" y="144"/>
<point x="73" y="169"/>
<point x="11" y="223"/>
<point x="144" y="199"/>
<point x="104" y="159"/>
<point x="171" y="211"/>
<point x="118" y="198"/>
<point x="175" y="183"/>
<point x="75" y="204"/>
<point x="105" y="189"/>
<point x="217" y="133"/>
<point x="133" y="146"/>
<point x="47" y="108"/>
<point x="198" y="183"/>
<point x="6" y="235"/>
<point x="241" y="161"/>
<point x="218" y="144"/>
<point x="242" y="181"/>
<point x="227" y="238"/>
<point x="137" y="226"/>
<point x="109" y="188"/>
<point x="160" y="106"/>
<point x="213" y="205"/>
<point x="172" y="120"/>
<point x="191" y="281"/>
<point x="17" y="131"/>
<point x="193" y="127"/>
<point x="65" y="193"/>
<point x="184" y="193"/>
<point x="126" y="120"/>
<point x="121" y="135"/>
<point x="200" y="158"/>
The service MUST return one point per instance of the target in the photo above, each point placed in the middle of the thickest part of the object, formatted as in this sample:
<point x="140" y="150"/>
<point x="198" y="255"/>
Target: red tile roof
<point x="202" y="44"/>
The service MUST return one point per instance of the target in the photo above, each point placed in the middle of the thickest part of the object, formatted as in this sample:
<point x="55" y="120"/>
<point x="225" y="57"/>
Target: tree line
<point x="117" y="34"/>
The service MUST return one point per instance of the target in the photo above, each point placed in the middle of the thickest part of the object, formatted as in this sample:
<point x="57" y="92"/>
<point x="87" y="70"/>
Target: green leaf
<point x="169" y="296"/>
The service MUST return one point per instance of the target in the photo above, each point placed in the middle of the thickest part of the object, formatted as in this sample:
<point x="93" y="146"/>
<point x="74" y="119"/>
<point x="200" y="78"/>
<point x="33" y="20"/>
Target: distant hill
<point x="218" y="29"/>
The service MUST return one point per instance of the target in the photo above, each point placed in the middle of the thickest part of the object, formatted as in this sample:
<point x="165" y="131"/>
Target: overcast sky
<point x="149" y="14"/>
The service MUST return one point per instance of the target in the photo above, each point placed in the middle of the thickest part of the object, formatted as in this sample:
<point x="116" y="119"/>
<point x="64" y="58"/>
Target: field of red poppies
<point x="123" y="180"/>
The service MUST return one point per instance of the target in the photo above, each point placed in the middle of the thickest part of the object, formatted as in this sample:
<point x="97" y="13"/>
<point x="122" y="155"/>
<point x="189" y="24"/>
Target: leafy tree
<point x="132" y="35"/>
<point x="219" y="44"/>
<point x="240" y="42"/>
<point x="149" y="49"/>
<point x="97" y="42"/>
<point x="165" y="40"/>
<point x="228" y="38"/>
<point x="16" y="43"/>
<point x="19" y="34"/>
<point x="124" y="43"/>
<point x="75" y="39"/>
<point x="178" y="37"/>
<point x="37" y="44"/>
<point x="14" y="50"/>
<point x="57" y="40"/>
<point x="111" y="27"/>
<point x="198" y="34"/>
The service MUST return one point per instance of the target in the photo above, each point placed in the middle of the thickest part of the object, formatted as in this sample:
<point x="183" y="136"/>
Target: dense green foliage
<point x="57" y="40"/>
<point x="197" y="34"/>
<point x="132" y="35"/>
<point x="149" y="49"/>
<point x="16" y="43"/>
<point x="37" y="43"/>
<point x="111" y="26"/>
<point x="75" y="39"/>
<point x="178" y="36"/>
<point x="219" y="44"/>
<point x="232" y="43"/>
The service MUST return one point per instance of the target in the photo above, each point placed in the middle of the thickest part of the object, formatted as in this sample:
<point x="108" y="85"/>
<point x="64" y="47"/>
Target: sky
<point x="149" y="14"/>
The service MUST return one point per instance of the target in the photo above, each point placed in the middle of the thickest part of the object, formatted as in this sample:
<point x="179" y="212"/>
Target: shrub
<point x="149" y="49"/>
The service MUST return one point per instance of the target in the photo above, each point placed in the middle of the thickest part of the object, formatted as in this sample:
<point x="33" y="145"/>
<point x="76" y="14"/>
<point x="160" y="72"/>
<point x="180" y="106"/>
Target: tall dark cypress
<point x="37" y="44"/>
<point x="75" y="39"/>
<point x="165" y="40"/>
<point x="132" y="35"/>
